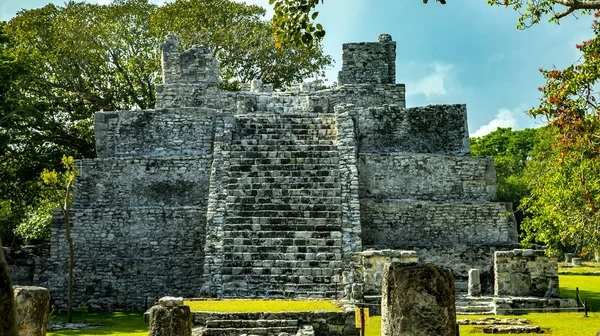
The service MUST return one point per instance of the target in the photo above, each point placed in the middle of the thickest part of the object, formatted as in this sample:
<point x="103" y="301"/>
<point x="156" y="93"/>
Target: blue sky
<point x="462" y="52"/>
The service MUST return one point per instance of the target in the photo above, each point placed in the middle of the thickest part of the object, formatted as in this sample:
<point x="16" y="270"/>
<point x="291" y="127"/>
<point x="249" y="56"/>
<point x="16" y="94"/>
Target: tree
<point x="294" y="20"/>
<point x="60" y="185"/>
<point x="59" y="65"/>
<point x="565" y="172"/>
<point x="511" y="151"/>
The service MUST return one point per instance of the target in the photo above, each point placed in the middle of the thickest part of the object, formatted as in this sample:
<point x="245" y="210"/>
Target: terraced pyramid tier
<point x="282" y="230"/>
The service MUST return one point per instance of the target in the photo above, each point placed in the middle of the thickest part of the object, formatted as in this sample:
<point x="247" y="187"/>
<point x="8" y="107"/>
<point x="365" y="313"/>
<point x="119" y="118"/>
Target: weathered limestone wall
<point x="400" y="223"/>
<point x="525" y="273"/>
<point x="371" y="266"/>
<point x="154" y="132"/>
<point x="142" y="181"/>
<point x="325" y="323"/>
<point x="127" y="256"/>
<point x="195" y="65"/>
<point x="436" y="129"/>
<point x="369" y="62"/>
<point x="25" y="263"/>
<point x="460" y="258"/>
<point x="426" y="177"/>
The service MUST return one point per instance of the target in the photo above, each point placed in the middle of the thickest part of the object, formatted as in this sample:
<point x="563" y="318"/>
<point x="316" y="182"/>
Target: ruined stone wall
<point x="142" y="181"/>
<point x="126" y="257"/>
<point x="369" y="62"/>
<point x="399" y="223"/>
<point x="437" y="129"/>
<point x="371" y="266"/>
<point x="460" y="258"/>
<point x="426" y="177"/>
<point x="525" y="273"/>
<point x="154" y="132"/>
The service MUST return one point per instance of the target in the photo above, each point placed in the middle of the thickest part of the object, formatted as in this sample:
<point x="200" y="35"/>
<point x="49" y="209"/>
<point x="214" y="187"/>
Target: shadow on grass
<point x="588" y="289"/>
<point x="121" y="323"/>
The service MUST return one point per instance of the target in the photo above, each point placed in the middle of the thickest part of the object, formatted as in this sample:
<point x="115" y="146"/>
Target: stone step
<point x="474" y="305"/>
<point x="289" y="137"/>
<point x="275" y="293"/>
<point x="319" y="188"/>
<point x="283" y="266"/>
<point x="255" y="252"/>
<point x="276" y="153"/>
<point x="319" y="255"/>
<point x="267" y="198"/>
<point x="295" y="223"/>
<point x="283" y="144"/>
<point x="284" y="176"/>
<point x="303" y="118"/>
<point x="273" y="331"/>
<point x="282" y="234"/>
<point x="321" y="169"/>
<point x="263" y="250"/>
<point x="285" y="226"/>
<point x="280" y="245"/>
<point x="298" y="130"/>
<point x="287" y="276"/>
<point x="288" y="214"/>
<point x="250" y="323"/>
<point x="288" y="123"/>
<point x="277" y="242"/>
<point x="284" y="161"/>
<point x="329" y="193"/>
<point x="282" y="207"/>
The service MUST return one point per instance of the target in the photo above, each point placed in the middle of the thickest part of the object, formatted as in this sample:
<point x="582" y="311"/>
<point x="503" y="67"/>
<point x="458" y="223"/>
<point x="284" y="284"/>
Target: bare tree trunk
<point x="71" y="266"/>
<point x="8" y="324"/>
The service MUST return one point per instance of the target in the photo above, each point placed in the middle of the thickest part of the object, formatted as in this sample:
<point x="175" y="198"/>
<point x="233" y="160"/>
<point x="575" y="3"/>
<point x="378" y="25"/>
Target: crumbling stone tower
<point x="274" y="194"/>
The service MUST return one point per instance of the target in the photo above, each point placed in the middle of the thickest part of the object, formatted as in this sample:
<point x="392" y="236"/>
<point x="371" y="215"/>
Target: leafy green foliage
<point x="511" y="151"/>
<point x="533" y="11"/>
<point x="565" y="173"/>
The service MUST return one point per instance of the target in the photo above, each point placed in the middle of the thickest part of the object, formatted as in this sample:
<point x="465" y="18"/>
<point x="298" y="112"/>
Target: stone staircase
<point x="469" y="305"/>
<point x="249" y="327"/>
<point x="282" y="229"/>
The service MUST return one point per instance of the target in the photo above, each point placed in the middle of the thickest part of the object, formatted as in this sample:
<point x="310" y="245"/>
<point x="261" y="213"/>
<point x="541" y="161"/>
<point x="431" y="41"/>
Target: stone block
<point x="32" y="305"/>
<point x="171" y="320"/>
<point x="418" y="299"/>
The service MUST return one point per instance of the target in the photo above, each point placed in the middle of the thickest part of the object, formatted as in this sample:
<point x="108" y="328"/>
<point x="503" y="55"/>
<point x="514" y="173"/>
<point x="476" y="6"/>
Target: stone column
<point x="474" y="288"/>
<point x="417" y="300"/>
<point x="170" y="318"/>
<point x="32" y="305"/>
<point x="568" y="257"/>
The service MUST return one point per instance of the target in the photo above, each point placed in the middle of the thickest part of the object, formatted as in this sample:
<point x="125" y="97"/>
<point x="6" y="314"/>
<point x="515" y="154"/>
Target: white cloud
<point x="433" y="83"/>
<point x="504" y="118"/>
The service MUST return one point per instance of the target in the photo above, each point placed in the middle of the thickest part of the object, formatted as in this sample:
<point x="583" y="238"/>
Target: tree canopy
<point x="565" y="173"/>
<point x="61" y="64"/>
<point x="512" y="150"/>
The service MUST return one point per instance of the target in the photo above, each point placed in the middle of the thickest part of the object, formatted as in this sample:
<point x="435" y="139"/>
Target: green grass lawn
<point x="121" y="324"/>
<point x="587" y="268"/>
<point x="239" y="306"/>
<point x="559" y="324"/>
